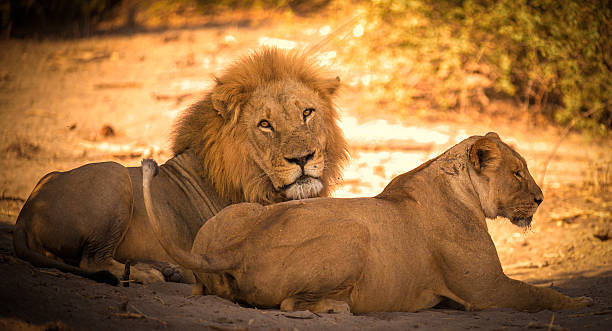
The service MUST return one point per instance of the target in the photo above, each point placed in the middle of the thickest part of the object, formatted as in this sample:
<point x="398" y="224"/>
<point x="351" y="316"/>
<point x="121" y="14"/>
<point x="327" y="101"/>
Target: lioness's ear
<point x="227" y="100"/>
<point x="485" y="155"/>
<point x="493" y="135"/>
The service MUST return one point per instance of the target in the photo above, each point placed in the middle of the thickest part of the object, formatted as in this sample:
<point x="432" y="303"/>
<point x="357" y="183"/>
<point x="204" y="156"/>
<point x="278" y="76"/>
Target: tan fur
<point x="423" y="239"/>
<point x="93" y="217"/>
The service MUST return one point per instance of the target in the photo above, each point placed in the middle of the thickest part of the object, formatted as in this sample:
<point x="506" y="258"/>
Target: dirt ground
<point x="114" y="97"/>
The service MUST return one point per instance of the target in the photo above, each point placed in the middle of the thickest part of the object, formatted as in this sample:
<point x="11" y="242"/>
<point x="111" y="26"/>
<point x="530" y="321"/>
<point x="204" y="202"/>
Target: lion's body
<point x="424" y="238"/>
<point x="93" y="216"/>
<point x="99" y="216"/>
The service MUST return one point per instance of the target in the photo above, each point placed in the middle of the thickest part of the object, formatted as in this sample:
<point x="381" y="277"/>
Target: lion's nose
<point x="302" y="160"/>
<point x="538" y="200"/>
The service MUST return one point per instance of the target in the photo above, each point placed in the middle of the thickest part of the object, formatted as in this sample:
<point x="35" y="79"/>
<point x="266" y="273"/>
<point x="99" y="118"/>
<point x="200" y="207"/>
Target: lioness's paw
<point x="339" y="308"/>
<point x="581" y="302"/>
<point x="331" y="307"/>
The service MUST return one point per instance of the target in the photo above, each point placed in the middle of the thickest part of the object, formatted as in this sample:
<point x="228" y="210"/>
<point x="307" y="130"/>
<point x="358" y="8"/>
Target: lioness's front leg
<point x="477" y="279"/>
<point x="522" y="296"/>
<point x="500" y="291"/>
<point x="473" y="273"/>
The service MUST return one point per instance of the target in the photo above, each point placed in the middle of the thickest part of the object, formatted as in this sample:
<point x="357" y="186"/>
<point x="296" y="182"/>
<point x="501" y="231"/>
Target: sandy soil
<point x="66" y="103"/>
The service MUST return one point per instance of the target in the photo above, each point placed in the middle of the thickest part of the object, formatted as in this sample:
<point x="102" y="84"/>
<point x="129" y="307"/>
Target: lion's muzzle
<point x="300" y="176"/>
<point x="304" y="187"/>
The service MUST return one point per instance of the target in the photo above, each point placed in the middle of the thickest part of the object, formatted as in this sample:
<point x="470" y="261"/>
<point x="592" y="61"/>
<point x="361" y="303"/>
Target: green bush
<point x="554" y="57"/>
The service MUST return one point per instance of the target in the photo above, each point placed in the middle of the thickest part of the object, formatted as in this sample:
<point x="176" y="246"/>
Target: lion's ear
<point x="227" y="100"/>
<point x="218" y="96"/>
<point x="485" y="155"/>
<point x="330" y="86"/>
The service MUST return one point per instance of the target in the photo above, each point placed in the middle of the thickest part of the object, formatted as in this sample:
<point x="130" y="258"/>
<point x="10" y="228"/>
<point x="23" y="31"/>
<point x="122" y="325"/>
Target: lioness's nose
<point x="538" y="196"/>
<point x="302" y="160"/>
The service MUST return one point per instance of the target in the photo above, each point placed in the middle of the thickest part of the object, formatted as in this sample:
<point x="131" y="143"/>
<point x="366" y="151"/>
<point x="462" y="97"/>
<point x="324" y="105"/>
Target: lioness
<point x="267" y="132"/>
<point x="422" y="239"/>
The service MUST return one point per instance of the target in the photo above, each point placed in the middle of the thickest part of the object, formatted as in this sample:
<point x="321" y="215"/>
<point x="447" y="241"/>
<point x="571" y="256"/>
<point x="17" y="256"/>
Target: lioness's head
<point x="503" y="182"/>
<point x="268" y="130"/>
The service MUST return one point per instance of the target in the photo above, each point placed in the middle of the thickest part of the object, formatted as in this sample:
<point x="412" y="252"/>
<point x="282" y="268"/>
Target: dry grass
<point x="598" y="177"/>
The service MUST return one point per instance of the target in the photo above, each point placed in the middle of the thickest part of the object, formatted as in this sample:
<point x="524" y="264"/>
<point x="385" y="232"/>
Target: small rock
<point x="23" y="149"/>
<point x="602" y="234"/>
<point x="107" y="131"/>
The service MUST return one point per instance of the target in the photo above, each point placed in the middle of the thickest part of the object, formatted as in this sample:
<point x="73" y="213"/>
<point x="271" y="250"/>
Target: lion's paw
<point x="170" y="272"/>
<point x="173" y="274"/>
<point x="143" y="273"/>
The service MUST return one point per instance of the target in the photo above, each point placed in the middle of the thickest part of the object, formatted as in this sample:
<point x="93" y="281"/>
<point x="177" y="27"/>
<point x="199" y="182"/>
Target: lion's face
<point x="286" y="126"/>
<point x="503" y="181"/>
<point x="268" y="130"/>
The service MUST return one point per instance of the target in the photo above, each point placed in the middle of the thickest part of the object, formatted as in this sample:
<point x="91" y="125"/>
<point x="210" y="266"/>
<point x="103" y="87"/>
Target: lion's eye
<point x="264" y="124"/>
<point x="518" y="174"/>
<point x="307" y="112"/>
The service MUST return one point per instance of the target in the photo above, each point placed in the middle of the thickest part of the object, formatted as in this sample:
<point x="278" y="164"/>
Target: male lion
<point x="267" y="132"/>
<point x="422" y="239"/>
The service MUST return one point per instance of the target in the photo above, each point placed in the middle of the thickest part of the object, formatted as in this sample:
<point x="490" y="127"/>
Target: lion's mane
<point x="211" y="128"/>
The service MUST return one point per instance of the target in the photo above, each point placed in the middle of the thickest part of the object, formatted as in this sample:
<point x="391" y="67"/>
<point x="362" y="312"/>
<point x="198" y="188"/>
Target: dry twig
<point x="140" y="314"/>
<point x="566" y="131"/>
<point x="159" y="299"/>
<point x="226" y="328"/>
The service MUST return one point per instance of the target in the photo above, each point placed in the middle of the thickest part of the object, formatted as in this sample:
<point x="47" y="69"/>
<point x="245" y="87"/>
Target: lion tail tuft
<point x="150" y="168"/>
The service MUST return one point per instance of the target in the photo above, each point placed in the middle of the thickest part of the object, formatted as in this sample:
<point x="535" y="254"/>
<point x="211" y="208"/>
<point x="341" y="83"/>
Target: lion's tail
<point x="24" y="252"/>
<point x="182" y="257"/>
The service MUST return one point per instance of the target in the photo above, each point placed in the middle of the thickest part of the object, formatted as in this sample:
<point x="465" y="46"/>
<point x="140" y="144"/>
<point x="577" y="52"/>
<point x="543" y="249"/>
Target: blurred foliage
<point x="161" y="8"/>
<point x="207" y="6"/>
<point x="39" y="16"/>
<point x="553" y="57"/>
<point x="73" y="18"/>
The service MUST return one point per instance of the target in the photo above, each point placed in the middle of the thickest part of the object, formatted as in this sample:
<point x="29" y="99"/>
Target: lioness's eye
<point x="265" y="124"/>
<point x="307" y="112"/>
<point x="518" y="174"/>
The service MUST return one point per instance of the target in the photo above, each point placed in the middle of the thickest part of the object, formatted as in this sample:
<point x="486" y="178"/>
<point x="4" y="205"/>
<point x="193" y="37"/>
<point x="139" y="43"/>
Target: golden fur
<point x="423" y="239"/>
